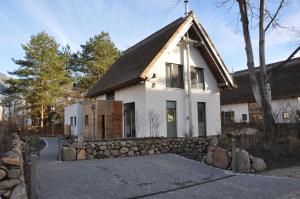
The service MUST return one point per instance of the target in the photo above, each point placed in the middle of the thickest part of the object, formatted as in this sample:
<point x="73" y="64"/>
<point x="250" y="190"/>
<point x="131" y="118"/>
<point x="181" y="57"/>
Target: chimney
<point x="186" y="7"/>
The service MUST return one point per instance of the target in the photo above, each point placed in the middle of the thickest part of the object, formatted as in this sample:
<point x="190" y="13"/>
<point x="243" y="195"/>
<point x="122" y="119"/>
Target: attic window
<point x="174" y="75"/>
<point x="110" y="95"/>
<point x="286" y="115"/>
<point x="197" y="78"/>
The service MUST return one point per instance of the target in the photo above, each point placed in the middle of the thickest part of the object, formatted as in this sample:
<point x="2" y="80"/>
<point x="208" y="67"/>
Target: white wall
<point x="290" y="105"/>
<point x="74" y="110"/>
<point x="238" y="110"/>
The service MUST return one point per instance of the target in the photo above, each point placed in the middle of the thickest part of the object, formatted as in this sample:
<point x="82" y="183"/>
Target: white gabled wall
<point x="74" y="110"/>
<point x="156" y="97"/>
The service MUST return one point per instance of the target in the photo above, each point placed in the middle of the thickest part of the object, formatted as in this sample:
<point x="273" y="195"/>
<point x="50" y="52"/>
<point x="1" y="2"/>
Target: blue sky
<point x="128" y="21"/>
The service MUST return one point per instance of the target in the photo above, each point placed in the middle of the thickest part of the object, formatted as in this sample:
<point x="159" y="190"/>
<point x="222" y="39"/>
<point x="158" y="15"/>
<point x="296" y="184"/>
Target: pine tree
<point x="97" y="54"/>
<point x="42" y="78"/>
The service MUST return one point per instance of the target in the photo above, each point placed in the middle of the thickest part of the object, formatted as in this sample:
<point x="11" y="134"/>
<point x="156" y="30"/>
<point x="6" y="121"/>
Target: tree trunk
<point x="42" y="117"/>
<point x="249" y="52"/>
<point x="268" y="120"/>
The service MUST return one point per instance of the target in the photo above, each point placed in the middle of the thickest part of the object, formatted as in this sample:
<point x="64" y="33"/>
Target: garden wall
<point x="132" y="147"/>
<point x="12" y="183"/>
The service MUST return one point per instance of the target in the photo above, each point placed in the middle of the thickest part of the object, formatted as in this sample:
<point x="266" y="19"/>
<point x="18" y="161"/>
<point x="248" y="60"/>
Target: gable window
<point x="197" y="78"/>
<point x="286" y="115"/>
<point x="86" y="120"/>
<point x="174" y="75"/>
<point x="74" y="120"/>
<point x="110" y="95"/>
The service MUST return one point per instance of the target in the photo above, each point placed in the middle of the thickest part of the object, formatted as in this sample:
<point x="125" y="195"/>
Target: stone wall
<point x="132" y="147"/>
<point x="12" y="183"/>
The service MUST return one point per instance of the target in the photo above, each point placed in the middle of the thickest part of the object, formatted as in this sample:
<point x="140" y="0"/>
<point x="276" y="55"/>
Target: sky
<point x="73" y="22"/>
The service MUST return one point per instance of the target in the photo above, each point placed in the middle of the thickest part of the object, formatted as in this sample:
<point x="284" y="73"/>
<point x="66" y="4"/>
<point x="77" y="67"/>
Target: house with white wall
<point x="169" y="83"/>
<point x="73" y="119"/>
<point x="238" y="105"/>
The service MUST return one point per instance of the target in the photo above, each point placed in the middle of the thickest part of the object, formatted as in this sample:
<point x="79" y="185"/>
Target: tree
<point x="42" y="77"/>
<point x="97" y="54"/>
<point x="260" y="85"/>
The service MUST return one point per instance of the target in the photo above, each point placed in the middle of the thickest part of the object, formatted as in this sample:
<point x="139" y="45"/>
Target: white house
<point x="73" y="118"/>
<point x="169" y="83"/>
<point x="238" y="104"/>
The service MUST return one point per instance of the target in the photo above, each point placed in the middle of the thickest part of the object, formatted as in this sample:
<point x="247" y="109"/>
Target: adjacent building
<point x="238" y="105"/>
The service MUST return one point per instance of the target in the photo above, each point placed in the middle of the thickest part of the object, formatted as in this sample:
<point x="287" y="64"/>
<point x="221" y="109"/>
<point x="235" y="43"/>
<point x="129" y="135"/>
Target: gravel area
<point x="153" y="176"/>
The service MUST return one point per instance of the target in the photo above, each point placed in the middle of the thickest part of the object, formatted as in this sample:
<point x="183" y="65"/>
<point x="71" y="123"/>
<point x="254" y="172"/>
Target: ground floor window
<point x="201" y="119"/>
<point x="129" y="120"/>
<point x="227" y="117"/>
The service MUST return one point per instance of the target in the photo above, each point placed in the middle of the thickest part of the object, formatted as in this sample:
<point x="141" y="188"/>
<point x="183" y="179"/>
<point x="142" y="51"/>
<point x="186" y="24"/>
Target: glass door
<point x="201" y="119"/>
<point x="129" y="120"/>
<point x="171" y="119"/>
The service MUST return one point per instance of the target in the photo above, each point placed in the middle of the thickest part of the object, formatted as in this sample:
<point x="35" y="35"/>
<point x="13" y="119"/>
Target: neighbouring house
<point x="166" y="85"/>
<point x="73" y="119"/>
<point x="238" y="105"/>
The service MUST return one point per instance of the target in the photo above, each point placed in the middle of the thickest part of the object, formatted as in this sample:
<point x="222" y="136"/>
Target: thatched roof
<point x="134" y="63"/>
<point x="285" y="83"/>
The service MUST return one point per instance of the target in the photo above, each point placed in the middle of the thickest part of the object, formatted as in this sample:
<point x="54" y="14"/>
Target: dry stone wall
<point x="12" y="183"/>
<point x="132" y="147"/>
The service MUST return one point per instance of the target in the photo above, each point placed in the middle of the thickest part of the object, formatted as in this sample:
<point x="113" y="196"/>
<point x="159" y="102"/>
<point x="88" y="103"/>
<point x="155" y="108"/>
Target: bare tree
<point x="260" y="85"/>
<point x="154" y="122"/>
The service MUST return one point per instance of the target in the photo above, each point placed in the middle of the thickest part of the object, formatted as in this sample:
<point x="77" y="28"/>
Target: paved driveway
<point x="154" y="176"/>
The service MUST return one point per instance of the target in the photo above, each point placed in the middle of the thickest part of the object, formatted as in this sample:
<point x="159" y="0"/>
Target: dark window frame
<point x="199" y="82"/>
<point x="244" y="117"/>
<point x="110" y="95"/>
<point x="86" y="120"/>
<point x="71" y="121"/>
<point x="171" y="80"/>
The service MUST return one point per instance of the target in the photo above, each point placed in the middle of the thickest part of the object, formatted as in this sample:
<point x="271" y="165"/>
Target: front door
<point x="171" y="119"/>
<point x="201" y="119"/>
<point x="129" y="120"/>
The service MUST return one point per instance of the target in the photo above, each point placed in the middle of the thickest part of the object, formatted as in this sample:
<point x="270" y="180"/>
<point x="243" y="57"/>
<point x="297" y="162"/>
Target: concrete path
<point x="156" y="176"/>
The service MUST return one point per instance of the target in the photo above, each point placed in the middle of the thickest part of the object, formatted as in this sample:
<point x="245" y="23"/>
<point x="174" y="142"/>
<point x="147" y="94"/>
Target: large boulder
<point x="7" y="184"/>
<point x="220" y="158"/>
<point x="19" y="192"/>
<point x="12" y="159"/>
<point x="258" y="164"/>
<point x="2" y="173"/>
<point x="243" y="164"/>
<point x="81" y="155"/>
<point x="68" y="153"/>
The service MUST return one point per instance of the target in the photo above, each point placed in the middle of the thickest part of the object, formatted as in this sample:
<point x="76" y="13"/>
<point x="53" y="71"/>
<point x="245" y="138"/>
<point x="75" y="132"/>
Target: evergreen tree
<point x="42" y="78"/>
<point x="97" y="54"/>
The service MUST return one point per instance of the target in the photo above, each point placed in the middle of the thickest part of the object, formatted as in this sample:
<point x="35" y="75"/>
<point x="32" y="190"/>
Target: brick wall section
<point x="132" y="147"/>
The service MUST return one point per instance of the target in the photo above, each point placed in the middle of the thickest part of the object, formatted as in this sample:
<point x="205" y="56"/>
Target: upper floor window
<point x="174" y="75"/>
<point x="86" y="120"/>
<point x="197" y="78"/>
<point x="71" y="121"/>
<point x="110" y="95"/>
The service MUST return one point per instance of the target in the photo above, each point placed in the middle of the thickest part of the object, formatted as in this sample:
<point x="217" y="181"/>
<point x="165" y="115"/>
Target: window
<point x="197" y="78"/>
<point x="244" y="117"/>
<point x="74" y="120"/>
<point x="86" y="120"/>
<point x="174" y="75"/>
<point x="110" y="95"/>
<point x="171" y="119"/>
<point x="286" y="115"/>
<point x="229" y="117"/>
<point x="71" y="121"/>
<point x="129" y="120"/>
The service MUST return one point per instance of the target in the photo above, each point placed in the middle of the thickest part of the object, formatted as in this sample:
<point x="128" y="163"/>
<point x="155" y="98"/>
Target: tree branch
<point x="275" y="15"/>
<point x="281" y="64"/>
